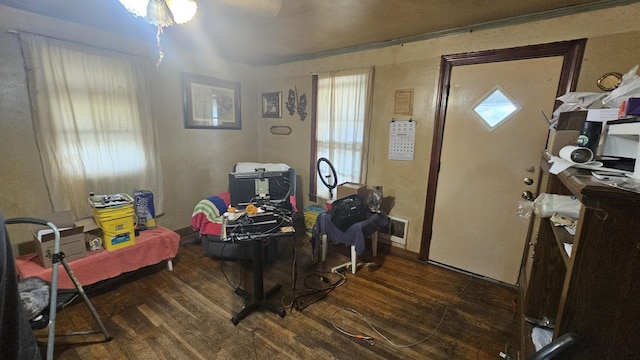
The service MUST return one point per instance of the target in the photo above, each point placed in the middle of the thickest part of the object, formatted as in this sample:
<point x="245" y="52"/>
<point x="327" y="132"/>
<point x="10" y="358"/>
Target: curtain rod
<point x="17" y="32"/>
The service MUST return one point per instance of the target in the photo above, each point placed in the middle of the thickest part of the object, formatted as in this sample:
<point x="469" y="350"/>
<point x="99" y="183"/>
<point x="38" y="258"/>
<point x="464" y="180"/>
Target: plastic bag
<point x="546" y="205"/>
<point x="525" y="208"/>
<point x="541" y="337"/>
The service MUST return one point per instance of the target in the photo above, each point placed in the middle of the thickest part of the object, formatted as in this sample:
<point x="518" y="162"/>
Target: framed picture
<point x="210" y="103"/>
<point x="272" y="104"/>
<point x="403" y="104"/>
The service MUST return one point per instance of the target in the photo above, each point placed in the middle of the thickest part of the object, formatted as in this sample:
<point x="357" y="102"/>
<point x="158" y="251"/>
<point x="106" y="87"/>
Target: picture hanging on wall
<point x="272" y="104"/>
<point x="210" y="103"/>
<point x="403" y="104"/>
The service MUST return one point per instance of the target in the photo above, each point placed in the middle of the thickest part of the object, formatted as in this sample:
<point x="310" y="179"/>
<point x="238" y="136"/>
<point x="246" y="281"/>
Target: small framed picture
<point x="272" y="104"/>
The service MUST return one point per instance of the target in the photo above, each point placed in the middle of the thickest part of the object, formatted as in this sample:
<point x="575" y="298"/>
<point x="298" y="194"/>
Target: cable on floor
<point x="301" y="299"/>
<point x="370" y="339"/>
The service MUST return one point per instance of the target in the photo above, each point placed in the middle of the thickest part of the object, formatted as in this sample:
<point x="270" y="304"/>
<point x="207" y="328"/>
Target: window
<point x="496" y="108"/>
<point x="92" y="116"/>
<point x="342" y="125"/>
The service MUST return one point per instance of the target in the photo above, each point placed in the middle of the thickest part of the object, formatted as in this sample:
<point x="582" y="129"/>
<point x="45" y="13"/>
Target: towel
<point x="207" y="215"/>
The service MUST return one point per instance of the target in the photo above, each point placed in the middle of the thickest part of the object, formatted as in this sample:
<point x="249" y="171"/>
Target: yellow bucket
<point x="117" y="226"/>
<point x="118" y="240"/>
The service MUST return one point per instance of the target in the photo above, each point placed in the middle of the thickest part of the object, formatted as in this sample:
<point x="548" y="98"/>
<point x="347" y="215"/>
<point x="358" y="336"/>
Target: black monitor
<point x="258" y="187"/>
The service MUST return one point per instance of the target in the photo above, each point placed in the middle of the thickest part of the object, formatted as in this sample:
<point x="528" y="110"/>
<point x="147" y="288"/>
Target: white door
<point x="482" y="168"/>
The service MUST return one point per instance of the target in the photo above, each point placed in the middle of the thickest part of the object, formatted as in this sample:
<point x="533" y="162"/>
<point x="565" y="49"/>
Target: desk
<point x="152" y="246"/>
<point x="260" y="297"/>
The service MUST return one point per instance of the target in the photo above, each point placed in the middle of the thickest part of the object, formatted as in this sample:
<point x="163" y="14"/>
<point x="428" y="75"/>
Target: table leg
<point x="374" y="243"/>
<point x="259" y="298"/>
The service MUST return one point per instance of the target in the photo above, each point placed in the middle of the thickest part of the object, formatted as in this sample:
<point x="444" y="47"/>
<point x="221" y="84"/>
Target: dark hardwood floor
<point x="425" y="311"/>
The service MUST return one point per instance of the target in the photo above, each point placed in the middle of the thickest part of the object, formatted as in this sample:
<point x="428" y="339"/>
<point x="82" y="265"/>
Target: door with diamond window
<point x="492" y="140"/>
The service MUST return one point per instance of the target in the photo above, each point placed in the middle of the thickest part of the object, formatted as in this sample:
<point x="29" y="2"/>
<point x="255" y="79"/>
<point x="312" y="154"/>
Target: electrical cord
<point x="226" y="277"/>
<point x="301" y="299"/>
<point x="370" y="338"/>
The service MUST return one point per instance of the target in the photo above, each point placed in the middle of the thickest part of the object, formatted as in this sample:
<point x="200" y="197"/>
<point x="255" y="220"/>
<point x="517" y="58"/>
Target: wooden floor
<point x="425" y="311"/>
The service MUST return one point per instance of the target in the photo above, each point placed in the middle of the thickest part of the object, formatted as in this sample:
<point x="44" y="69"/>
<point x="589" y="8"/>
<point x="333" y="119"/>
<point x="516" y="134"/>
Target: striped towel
<point x="207" y="215"/>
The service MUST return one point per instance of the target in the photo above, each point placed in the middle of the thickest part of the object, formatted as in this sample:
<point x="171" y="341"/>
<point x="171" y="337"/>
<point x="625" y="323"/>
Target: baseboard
<point x="186" y="231"/>
<point x="404" y="253"/>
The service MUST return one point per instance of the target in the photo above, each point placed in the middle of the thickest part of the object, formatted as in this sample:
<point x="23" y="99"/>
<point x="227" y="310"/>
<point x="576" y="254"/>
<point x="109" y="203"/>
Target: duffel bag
<point x="348" y="211"/>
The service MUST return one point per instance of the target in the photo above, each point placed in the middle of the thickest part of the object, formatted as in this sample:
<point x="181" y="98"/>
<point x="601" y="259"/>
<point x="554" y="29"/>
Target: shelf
<point x="562" y="237"/>
<point x="592" y="293"/>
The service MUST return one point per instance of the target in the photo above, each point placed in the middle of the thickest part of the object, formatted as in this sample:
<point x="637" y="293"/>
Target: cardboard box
<point x="72" y="242"/>
<point x="349" y="188"/>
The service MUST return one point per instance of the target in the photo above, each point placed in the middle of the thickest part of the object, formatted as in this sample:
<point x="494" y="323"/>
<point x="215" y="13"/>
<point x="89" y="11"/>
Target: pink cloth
<point x="200" y="223"/>
<point x="151" y="247"/>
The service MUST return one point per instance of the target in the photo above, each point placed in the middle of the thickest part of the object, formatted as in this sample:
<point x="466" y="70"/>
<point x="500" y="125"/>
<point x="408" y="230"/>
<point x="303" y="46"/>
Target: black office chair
<point x="556" y="347"/>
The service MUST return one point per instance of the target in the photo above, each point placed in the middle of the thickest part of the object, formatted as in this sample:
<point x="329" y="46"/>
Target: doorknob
<point x="527" y="195"/>
<point x="528" y="181"/>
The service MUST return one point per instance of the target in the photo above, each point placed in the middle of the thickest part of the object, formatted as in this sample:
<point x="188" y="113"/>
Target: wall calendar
<point x="402" y="135"/>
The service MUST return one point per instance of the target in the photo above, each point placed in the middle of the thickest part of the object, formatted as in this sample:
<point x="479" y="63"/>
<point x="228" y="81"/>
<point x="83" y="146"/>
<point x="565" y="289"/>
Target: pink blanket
<point x="151" y="247"/>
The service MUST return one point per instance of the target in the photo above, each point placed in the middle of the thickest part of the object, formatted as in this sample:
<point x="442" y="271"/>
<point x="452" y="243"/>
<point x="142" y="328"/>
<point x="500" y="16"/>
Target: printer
<point x="619" y="146"/>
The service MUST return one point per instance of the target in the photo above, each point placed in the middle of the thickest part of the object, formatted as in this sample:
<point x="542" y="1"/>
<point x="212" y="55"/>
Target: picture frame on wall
<point x="211" y="103"/>
<point x="403" y="102"/>
<point x="272" y="104"/>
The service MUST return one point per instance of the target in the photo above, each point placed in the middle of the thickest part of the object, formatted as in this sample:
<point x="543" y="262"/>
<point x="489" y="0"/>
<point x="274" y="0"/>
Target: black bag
<point x="348" y="211"/>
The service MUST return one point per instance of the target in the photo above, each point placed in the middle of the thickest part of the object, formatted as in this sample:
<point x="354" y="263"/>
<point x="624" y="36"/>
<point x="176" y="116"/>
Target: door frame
<point x="572" y="51"/>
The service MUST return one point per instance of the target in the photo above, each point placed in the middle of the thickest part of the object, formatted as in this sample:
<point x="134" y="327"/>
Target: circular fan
<point x="327" y="174"/>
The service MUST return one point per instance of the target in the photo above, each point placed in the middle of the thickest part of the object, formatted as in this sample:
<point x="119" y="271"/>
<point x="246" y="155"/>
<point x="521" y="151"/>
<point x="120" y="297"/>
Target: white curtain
<point x="343" y="123"/>
<point x="92" y="118"/>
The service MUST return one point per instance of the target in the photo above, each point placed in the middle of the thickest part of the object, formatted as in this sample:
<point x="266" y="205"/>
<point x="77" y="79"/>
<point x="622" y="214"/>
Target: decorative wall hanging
<point x="302" y="107"/>
<point x="211" y="103"/>
<point x="301" y="102"/>
<point x="291" y="102"/>
<point x="272" y="104"/>
<point x="281" y="130"/>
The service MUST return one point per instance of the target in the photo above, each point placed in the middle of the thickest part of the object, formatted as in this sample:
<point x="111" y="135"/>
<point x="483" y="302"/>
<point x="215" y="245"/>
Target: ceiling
<point x="261" y="32"/>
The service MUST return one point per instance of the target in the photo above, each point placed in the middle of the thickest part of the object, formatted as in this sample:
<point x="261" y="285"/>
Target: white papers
<point x="602" y="115"/>
<point x="568" y="248"/>
<point x="559" y="165"/>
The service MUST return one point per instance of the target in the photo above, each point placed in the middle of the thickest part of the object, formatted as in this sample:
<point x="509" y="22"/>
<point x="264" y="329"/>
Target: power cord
<point x="301" y="299"/>
<point x="370" y="339"/>
<point x="226" y="277"/>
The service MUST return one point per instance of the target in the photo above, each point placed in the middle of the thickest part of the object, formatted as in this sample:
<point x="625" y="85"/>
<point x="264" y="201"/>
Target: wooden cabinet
<point x="594" y="292"/>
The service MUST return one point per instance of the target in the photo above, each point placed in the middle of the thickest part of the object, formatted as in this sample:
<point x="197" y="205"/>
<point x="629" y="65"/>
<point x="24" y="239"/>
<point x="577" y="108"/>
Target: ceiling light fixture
<point x="162" y="13"/>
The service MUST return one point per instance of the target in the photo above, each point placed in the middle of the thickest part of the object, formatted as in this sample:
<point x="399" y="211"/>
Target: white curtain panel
<point x="92" y="118"/>
<point x="343" y="123"/>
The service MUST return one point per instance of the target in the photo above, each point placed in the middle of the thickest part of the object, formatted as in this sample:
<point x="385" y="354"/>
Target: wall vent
<point x="396" y="232"/>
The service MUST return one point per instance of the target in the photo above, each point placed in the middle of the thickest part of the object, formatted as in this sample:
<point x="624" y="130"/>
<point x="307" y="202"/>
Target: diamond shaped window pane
<point x="496" y="108"/>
